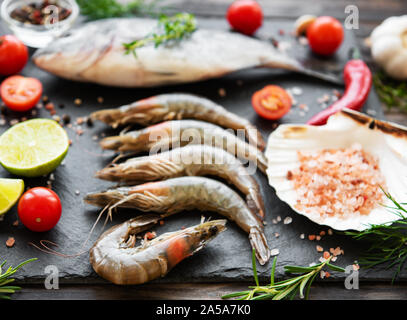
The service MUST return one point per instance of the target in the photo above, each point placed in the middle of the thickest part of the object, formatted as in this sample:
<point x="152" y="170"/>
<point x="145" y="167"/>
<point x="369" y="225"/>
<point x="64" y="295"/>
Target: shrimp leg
<point x="187" y="193"/>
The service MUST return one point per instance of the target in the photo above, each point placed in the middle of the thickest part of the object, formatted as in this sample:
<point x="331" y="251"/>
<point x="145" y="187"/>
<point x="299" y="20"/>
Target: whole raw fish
<point x="94" y="52"/>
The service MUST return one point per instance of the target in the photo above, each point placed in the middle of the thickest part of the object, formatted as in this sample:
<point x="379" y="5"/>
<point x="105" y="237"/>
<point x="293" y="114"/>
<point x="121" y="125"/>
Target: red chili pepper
<point x="358" y="81"/>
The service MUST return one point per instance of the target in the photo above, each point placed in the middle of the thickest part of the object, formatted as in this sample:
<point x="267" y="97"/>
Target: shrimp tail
<point x="111" y="117"/>
<point x="259" y="243"/>
<point x="112" y="143"/>
<point x="254" y="136"/>
<point x="123" y="143"/>
<point x="139" y="170"/>
<point x="262" y="164"/>
<point x="255" y="203"/>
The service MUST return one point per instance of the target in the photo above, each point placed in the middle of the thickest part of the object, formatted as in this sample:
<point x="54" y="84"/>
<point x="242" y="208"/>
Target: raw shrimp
<point x="187" y="193"/>
<point x="176" y="133"/>
<point x="192" y="160"/>
<point x="115" y="258"/>
<point x="178" y="106"/>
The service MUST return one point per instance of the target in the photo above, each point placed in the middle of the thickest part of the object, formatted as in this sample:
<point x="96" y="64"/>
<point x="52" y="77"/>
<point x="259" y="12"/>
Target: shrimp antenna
<point x="48" y="250"/>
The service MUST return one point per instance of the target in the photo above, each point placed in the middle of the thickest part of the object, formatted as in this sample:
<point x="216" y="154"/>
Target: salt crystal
<point x="274" y="252"/>
<point x="288" y="220"/>
<point x="296" y="91"/>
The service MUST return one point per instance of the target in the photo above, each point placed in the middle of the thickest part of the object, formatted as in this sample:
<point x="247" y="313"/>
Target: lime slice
<point x="10" y="192"/>
<point x="33" y="148"/>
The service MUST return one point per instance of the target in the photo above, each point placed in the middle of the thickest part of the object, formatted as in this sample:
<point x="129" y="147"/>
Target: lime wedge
<point x="33" y="148"/>
<point x="10" y="192"/>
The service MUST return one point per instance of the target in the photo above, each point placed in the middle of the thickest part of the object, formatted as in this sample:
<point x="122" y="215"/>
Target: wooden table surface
<point x="371" y="13"/>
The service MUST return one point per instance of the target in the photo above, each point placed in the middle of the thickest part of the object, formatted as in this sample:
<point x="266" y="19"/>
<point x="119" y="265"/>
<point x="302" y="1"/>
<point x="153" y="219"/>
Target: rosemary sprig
<point x="101" y="9"/>
<point x="286" y="289"/>
<point x="172" y="28"/>
<point x="389" y="240"/>
<point x="392" y="93"/>
<point x="5" y="279"/>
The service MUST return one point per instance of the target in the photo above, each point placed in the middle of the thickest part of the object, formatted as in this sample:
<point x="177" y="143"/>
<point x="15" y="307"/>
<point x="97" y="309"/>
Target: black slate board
<point x="228" y="257"/>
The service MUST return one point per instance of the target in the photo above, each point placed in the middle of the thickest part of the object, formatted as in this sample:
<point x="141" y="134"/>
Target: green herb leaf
<point x="392" y="93"/>
<point x="101" y="9"/>
<point x="388" y="240"/>
<point x="174" y="28"/>
<point x="286" y="289"/>
<point x="4" y="279"/>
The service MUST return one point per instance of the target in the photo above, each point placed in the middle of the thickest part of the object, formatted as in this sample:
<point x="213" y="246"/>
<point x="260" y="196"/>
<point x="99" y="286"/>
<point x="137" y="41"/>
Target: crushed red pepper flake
<point x="49" y="106"/>
<point x="326" y="255"/>
<point x="15" y="223"/>
<point x="319" y="248"/>
<point x="10" y="242"/>
<point x="150" y="235"/>
<point x="311" y="237"/>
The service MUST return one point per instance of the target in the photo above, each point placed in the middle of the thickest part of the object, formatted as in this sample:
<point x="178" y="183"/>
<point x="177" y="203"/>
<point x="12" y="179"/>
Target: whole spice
<point x="41" y="13"/>
<point x="358" y="81"/>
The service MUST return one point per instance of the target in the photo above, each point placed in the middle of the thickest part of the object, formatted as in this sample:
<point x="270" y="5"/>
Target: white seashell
<point x="386" y="141"/>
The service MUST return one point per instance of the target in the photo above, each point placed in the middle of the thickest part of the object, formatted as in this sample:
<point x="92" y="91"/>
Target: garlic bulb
<point x="389" y="46"/>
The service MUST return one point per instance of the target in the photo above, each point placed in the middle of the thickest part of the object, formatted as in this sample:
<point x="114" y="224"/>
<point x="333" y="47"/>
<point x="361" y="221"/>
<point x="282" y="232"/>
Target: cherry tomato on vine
<point x="272" y="102"/>
<point x="13" y="55"/>
<point x="325" y="35"/>
<point x="20" y="93"/>
<point x="39" y="209"/>
<point x="245" y="16"/>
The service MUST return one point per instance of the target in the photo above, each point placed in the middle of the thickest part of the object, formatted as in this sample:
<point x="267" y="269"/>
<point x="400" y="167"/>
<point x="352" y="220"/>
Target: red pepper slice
<point x="358" y="81"/>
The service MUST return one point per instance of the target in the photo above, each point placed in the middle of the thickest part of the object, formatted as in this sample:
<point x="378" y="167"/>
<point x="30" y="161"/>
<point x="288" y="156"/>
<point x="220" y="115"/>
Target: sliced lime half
<point x="10" y="192"/>
<point x="33" y="148"/>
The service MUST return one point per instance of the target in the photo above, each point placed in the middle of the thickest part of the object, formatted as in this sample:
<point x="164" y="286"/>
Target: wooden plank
<point x="202" y="291"/>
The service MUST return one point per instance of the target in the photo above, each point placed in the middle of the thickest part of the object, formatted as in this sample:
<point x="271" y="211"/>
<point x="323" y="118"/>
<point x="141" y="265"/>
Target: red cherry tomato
<point x="39" y="209"/>
<point x="13" y="55"/>
<point x="20" y="93"/>
<point x="246" y="16"/>
<point x="325" y="35"/>
<point x="271" y="102"/>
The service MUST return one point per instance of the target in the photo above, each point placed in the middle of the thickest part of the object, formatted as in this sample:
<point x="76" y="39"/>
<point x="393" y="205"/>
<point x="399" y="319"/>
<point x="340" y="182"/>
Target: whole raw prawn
<point x="191" y="160"/>
<point x="178" y="106"/>
<point x="176" y="133"/>
<point x="115" y="258"/>
<point x="187" y="193"/>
